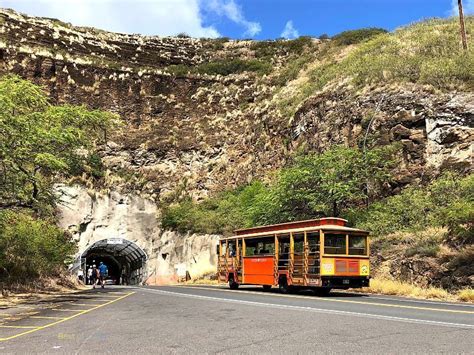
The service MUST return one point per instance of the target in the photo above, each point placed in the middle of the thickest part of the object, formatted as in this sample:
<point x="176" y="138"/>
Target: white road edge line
<point x="318" y="310"/>
<point x="414" y="300"/>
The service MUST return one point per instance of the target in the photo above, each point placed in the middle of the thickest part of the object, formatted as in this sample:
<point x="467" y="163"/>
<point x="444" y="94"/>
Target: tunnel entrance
<point x="125" y="260"/>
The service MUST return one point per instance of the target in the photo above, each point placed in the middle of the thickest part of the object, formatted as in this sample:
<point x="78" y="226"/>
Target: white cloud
<point x="233" y="12"/>
<point x="289" y="31"/>
<point x="150" y="17"/>
<point x="468" y="7"/>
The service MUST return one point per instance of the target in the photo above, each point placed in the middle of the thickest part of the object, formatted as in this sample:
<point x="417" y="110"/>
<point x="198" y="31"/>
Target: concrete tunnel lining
<point x="118" y="248"/>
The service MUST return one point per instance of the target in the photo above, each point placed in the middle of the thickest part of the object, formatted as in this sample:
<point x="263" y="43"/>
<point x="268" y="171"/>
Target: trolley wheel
<point x="233" y="285"/>
<point x="283" y="286"/>
<point x="267" y="287"/>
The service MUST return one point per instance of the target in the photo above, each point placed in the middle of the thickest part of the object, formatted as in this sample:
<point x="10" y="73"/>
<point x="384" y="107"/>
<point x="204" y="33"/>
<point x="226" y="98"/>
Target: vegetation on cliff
<point x="39" y="144"/>
<point x="340" y="182"/>
<point x="327" y="184"/>
<point x="427" y="53"/>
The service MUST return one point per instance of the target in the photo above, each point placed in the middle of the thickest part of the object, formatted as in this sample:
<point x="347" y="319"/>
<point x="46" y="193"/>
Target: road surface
<point x="203" y="319"/>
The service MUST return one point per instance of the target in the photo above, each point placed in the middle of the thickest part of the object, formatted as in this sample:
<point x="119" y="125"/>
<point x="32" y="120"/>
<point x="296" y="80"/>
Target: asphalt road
<point x="217" y="320"/>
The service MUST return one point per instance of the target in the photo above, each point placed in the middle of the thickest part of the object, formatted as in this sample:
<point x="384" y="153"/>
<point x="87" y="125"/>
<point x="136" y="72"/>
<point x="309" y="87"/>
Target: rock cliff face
<point x="198" y="134"/>
<point x="91" y="217"/>
<point x="178" y="127"/>
<point x="435" y="130"/>
<point x="203" y="133"/>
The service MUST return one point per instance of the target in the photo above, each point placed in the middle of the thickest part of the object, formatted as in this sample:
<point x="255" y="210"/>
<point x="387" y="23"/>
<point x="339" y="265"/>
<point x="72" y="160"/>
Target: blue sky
<point x="259" y="19"/>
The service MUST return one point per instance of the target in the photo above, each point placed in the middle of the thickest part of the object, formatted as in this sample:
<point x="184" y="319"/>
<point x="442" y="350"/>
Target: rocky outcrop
<point x="91" y="216"/>
<point x="192" y="129"/>
<point x="435" y="130"/>
<point x="198" y="134"/>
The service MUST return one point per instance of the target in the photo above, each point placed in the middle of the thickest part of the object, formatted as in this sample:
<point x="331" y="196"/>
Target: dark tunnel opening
<point x="126" y="262"/>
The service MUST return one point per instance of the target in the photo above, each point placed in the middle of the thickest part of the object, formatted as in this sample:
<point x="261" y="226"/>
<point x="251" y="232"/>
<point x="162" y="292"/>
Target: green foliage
<point x="291" y="70"/>
<point x="223" y="214"/>
<point x="30" y="248"/>
<point x="427" y="53"/>
<point x="38" y="142"/>
<point x="183" y="35"/>
<point x="327" y="184"/>
<point x="447" y="202"/>
<point x="356" y="36"/>
<point x="429" y="249"/>
<point x="314" y="185"/>
<point x="265" y="49"/>
<point x="223" y="67"/>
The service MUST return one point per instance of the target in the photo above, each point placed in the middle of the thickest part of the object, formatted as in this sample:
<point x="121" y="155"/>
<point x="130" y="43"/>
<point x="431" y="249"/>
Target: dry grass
<point x="466" y="295"/>
<point x="202" y="282"/>
<point x="397" y="288"/>
<point x="18" y="292"/>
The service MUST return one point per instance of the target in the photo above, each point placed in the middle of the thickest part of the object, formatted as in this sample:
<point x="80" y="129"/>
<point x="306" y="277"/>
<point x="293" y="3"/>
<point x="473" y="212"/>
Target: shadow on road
<point x="308" y="293"/>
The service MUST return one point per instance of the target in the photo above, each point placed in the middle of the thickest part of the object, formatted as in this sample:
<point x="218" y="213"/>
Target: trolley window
<point x="260" y="246"/>
<point x="334" y="243"/>
<point x="357" y="245"/>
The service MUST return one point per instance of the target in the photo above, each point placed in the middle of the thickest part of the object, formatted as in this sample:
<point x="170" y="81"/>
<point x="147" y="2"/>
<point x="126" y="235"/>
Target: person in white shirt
<point x="89" y="275"/>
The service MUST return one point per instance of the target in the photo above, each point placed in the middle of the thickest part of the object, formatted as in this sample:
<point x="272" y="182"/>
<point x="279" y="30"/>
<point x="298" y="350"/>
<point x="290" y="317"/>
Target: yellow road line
<point x="18" y="326"/>
<point x="341" y="301"/>
<point x="65" y="319"/>
<point x="70" y="310"/>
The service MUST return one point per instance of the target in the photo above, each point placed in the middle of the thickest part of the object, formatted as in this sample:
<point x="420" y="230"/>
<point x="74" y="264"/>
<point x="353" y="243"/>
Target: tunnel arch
<point x="125" y="260"/>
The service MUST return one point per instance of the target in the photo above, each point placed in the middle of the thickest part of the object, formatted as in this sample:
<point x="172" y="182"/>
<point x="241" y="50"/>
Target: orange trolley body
<point x="319" y="253"/>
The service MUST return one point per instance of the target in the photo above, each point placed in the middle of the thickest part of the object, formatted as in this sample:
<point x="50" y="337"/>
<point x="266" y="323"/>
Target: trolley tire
<point x="233" y="285"/>
<point x="283" y="286"/>
<point x="267" y="287"/>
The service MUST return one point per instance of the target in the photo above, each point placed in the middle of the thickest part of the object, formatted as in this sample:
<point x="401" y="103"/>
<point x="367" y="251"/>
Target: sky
<point x="257" y="19"/>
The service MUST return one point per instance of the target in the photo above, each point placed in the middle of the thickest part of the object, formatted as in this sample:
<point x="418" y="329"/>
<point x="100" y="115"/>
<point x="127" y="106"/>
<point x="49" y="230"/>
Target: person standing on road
<point x="94" y="276"/>
<point x="103" y="272"/>
<point x="89" y="275"/>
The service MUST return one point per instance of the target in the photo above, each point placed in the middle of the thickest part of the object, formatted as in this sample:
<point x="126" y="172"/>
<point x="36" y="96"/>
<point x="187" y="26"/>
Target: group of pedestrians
<point x="97" y="275"/>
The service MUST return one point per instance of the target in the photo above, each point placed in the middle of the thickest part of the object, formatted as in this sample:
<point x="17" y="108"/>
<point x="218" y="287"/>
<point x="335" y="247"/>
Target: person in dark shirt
<point x="103" y="273"/>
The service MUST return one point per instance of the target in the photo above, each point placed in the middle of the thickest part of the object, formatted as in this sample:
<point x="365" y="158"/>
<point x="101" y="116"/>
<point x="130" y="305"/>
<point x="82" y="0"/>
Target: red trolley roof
<point x="333" y="221"/>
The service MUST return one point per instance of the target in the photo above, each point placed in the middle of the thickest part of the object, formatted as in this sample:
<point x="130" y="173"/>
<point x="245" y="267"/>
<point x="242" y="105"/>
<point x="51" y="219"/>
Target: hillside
<point x="219" y="131"/>
<point x="203" y="116"/>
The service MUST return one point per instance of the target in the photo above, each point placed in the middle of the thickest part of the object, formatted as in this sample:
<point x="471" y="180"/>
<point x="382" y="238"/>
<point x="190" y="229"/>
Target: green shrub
<point x="30" y="248"/>
<point x="427" y="53"/>
<point x="40" y="142"/>
<point x="314" y="185"/>
<point x="356" y="36"/>
<point x="291" y="71"/>
<point x="265" y="49"/>
<point x="446" y="202"/>
<point x="428" y="250"/>
<point x="183" y="35"/>
<point x="233" y="66"/>
<point x="226" y="212"/>
<point x="223" y="67"/>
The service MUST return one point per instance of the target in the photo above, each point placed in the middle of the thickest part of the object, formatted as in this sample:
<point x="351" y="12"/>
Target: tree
<point x="40" y="142"/>
<point x="325" y="184"/>
<point x="30" y="247"/>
